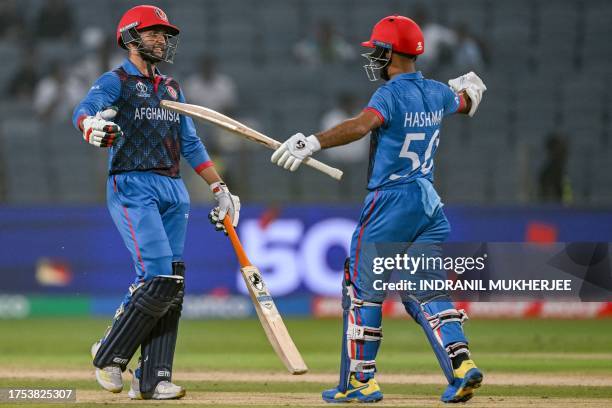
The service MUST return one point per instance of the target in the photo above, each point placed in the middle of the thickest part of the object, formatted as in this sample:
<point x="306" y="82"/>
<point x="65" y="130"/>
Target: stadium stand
<point x="550" y="69"/>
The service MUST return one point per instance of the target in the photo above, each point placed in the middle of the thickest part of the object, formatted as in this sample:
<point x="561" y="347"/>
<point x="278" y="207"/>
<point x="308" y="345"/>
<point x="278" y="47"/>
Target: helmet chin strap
<point x="150" y="72"/>
<point x="384" y="72"/>
<point x="150" y="61"/>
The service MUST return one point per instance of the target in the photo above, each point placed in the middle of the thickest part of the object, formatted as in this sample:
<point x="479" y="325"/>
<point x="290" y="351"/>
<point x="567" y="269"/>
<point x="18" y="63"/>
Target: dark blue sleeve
<point x="382" y="103"/>
<point x="104" y="93"/>
<point x="192" y="147"/>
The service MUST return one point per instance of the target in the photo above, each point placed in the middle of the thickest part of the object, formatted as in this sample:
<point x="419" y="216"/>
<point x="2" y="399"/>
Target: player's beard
<point x="150" y="54"/>
<point x="384" y="72"/>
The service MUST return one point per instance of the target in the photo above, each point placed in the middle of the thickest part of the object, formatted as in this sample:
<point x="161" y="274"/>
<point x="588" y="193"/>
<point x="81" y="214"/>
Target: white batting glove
<point x="290" y="154"/>
<point x="472" y="85"/>
<point x="227" y="204"/>
<point x="99" y="131"/>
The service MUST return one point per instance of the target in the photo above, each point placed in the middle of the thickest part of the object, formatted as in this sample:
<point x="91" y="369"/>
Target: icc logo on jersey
<point x="142" y="90"/>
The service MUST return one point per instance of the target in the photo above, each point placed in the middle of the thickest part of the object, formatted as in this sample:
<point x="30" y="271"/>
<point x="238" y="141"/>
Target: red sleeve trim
<point x="375" y="111"/>
<point x="203" y="166"/>
<point x="462" y="103"/>
<point x="80" y="121"/>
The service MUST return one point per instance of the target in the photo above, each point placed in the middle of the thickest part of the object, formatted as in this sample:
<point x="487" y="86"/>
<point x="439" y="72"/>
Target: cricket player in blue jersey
<point x="404" y="116"/>
<point x="147" y="199"/>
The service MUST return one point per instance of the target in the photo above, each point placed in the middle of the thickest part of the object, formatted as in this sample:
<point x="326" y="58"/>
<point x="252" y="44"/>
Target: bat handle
<point x="233" y="236"/>
<point x="324" y="168"/>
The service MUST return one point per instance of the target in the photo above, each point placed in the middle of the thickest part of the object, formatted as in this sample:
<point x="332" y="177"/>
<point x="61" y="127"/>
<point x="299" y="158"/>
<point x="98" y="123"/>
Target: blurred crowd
<point x="445" y="46"/>
<point x="53" y="88"/>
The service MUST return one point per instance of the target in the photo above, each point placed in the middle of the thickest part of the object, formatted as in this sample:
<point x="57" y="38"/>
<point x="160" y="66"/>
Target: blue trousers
<point x="410" y="213"/>
<point x="150" y="211"/>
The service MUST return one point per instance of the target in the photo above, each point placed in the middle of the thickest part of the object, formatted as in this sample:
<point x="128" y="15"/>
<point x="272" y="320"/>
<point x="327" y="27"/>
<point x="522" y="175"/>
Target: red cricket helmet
<point x="141" y="17"/>
<point x="399" y="34"/>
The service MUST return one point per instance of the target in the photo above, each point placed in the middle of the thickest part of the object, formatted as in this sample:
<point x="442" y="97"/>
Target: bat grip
<point x="324" y="168"/>
<point x="231" y="233"/>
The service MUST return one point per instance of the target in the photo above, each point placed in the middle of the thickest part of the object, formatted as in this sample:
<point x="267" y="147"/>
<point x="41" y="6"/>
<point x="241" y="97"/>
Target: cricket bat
<point x="209" y="115"/>
<point x="267" y="312"/>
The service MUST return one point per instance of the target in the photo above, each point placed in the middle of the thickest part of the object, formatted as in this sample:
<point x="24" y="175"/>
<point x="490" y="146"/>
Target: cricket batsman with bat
<point x="404" y="116"/>
<point x="147" y="199"/>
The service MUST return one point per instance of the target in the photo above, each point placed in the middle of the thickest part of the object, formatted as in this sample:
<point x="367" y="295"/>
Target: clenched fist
<point x="227" y="205"/>
<point x="472" y="85"/>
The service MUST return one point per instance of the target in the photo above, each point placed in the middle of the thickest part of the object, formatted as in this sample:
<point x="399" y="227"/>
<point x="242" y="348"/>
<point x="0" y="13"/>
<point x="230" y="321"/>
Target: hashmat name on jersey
<point x="423" y="119"/>
<point x="156" y="114"/>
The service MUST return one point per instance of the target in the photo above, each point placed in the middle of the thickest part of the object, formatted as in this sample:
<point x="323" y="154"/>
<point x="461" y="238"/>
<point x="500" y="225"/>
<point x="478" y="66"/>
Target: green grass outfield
<point x="221" y="361"/>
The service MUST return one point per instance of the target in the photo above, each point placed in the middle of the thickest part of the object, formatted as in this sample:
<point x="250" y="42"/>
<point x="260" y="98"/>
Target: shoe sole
<point x="466" y="392"/>
<point x="134" y="396"/>
<point x="171" y="397"/>
<point x="114" y="390"/>
<point x="353" y="400"/>
<point x="93" y="350"/>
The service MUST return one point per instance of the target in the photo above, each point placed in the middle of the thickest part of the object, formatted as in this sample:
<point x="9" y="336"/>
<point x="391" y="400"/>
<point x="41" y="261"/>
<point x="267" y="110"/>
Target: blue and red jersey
<point x="154" y="138"/>
<point x="403" y="147"/>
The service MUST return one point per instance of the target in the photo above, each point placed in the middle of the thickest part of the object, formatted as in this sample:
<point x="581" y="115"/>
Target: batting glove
<point x="99" y="130"/>
<point x="227" y="204"/>
<point x="213" y="217"/>
<point x="290" y="154"/>
<point x="472" y="85"/>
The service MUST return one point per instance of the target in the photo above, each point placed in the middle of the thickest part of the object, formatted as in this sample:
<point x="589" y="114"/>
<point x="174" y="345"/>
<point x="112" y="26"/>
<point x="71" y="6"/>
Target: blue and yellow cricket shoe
<point x="357" y="392"/>
<point x="467" y="378"/>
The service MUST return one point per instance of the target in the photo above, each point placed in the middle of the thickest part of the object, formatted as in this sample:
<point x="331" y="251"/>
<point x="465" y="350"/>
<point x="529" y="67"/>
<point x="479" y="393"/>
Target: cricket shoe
<point x="467" y="378"/>
<point x="357" y="391"/>
<point x="164" y="390"/>
<point x="108" y="377"/>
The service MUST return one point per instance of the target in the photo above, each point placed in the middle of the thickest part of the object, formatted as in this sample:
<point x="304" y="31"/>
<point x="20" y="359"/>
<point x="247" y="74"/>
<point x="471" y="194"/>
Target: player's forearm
<point x="210" y="175"/>
<point x="344" y="133"/>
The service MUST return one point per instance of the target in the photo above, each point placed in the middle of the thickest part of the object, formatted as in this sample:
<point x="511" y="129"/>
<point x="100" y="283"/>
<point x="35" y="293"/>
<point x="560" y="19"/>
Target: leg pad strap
<point x="455" y="349"/>
<point x="365" y="333"/>
<point x="447" y="316"/>
<point x="363" y="366"/>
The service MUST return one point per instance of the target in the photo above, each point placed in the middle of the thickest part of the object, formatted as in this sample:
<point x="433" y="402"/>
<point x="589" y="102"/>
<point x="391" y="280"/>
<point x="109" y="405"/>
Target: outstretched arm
<point x="298" y="147"/>
<point x="349" y="130"/>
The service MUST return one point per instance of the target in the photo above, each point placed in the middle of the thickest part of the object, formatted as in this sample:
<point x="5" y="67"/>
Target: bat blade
<point x="208" y="115"/>
<point x="272" y="322"/>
